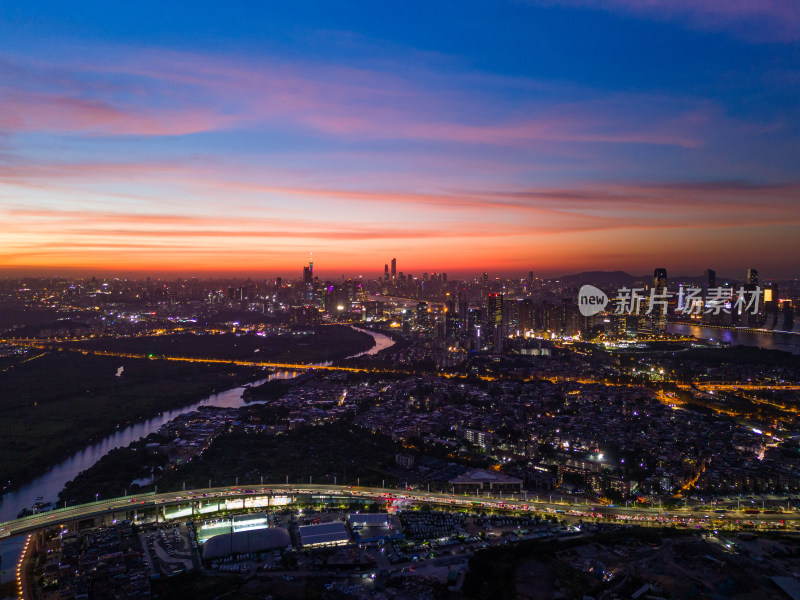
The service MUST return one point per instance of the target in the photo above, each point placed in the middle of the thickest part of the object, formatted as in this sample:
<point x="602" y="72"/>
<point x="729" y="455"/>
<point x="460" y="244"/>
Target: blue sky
<point x="457" y="136"/>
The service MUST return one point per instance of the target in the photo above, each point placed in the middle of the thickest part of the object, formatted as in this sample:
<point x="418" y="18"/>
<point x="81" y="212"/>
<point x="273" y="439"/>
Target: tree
<point x="614" y="495"/>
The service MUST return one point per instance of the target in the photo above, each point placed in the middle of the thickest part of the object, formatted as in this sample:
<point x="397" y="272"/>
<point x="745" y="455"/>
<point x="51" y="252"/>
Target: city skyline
<point x="553" y="136"/>
<point x="402" y="300"/>
<point x="303" y="274"/>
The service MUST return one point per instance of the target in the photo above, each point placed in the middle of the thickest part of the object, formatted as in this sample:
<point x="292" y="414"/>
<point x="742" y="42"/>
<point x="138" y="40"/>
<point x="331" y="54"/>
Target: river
<point x="48" y="485"/>
<point x="788" y="342"/>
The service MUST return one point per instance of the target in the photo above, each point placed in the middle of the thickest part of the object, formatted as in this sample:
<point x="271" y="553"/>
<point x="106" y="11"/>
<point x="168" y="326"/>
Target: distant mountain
<point x="619" y="278"/>
<point x="599" y="278"/>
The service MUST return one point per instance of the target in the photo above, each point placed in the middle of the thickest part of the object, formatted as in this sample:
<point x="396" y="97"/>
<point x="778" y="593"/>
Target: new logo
<point x="591" y="300"/>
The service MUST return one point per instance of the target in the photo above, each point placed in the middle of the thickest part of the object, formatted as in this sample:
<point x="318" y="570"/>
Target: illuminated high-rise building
<point x="308" y="280"/>
<point x="747" y="317"/>
<point x="525" y="318"/>
<point x="394" y="270"/>
<point x="771" y="296"/>
<point x="494" y="314"/>
<point x="463" y="308"/>
<point x="770" y="305"/>
<point x="659" y="308"/>
<point x="752" y="277"/>
<point x="660" y="280"/>
<point x="423" y="314"/>
<point x="549" y="317"/>
<point x="570" y="318"/>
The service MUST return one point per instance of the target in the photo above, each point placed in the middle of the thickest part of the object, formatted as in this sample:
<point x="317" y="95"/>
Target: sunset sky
<point x="502" y="136"/>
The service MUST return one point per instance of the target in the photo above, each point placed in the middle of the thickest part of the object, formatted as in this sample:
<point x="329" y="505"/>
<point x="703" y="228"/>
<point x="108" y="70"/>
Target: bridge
<point x="705" y="386"/>
<point x="210" y="500"/>
<point x="242" y="363"/>
<point x="745" y="386"/>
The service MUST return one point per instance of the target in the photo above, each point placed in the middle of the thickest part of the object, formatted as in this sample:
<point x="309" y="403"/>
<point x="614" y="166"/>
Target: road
<point x="243" y="363"/>
<point x="696" y="386"/>
<point x="689" y="515"/>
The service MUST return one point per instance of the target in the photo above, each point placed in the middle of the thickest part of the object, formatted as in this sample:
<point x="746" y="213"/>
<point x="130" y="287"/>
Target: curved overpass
<point x="195" y="500"/>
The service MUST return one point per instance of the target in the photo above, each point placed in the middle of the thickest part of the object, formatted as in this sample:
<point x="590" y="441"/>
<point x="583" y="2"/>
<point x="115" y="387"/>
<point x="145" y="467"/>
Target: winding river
<point x="48" y="485"/>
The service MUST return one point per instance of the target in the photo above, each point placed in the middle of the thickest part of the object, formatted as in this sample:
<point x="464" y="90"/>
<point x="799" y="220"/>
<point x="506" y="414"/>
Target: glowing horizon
<point x="236" y="143"/>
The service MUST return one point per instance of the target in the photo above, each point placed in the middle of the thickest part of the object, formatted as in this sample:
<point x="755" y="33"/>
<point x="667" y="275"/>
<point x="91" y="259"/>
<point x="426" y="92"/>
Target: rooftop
<point x="480" y="475"/>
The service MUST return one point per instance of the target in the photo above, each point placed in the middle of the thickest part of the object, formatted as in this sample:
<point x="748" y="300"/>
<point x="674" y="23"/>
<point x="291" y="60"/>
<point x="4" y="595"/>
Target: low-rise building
<point x="479" y="480"/>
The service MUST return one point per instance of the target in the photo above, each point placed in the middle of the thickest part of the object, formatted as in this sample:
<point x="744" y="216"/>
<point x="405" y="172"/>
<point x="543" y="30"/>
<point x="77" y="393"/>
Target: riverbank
<point x="760" y="338"/>
<point x="58" y="404"/>
<point x="51" y="481"/>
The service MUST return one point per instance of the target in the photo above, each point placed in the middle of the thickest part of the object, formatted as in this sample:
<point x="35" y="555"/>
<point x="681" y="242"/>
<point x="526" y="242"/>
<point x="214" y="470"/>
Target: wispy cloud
<point x="54" y="112"/>
<point x="149" y="157"/>
<point x="751" y="20"/>
<point x="168" y="94"/>
<point x="514" y="211"/>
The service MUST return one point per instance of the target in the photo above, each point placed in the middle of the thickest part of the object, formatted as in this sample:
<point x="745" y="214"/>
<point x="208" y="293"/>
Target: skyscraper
<point x="494" y="313"/>
<point x="394" y="270"/>
<point x="659" y="301"/>
<point x="308" y="280"/>
<point x="711" y="279"/>
<point x="308" y="272"/>
<point x="570" y="318"/>
<point x="386" y="273"/>
<point x="748" y="318"/>
<point x="770" y="307"/>
<point x="463" y="308"/>
<point x="752" y="277"/>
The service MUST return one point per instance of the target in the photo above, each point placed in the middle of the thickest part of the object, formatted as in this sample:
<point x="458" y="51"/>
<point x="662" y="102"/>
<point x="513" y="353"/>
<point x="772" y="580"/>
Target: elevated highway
<point x="242" y="363"/>
<point x="735" y="386"/>
<point x="186" y="504"/>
